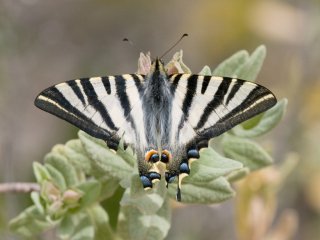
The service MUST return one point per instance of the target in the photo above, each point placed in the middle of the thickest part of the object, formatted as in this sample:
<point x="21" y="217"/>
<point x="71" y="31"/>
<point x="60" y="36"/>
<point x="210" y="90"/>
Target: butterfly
<point x="166" y="118"/>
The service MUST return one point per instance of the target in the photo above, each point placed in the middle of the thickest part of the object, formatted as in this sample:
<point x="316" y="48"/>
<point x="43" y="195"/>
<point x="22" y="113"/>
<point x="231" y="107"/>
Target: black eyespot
<point x="164" y="158"/>
<point x="184" y="168"/>
<point x="193" y="153"/>
<point x="146" y="182"/>
<point x="154" y="158"/>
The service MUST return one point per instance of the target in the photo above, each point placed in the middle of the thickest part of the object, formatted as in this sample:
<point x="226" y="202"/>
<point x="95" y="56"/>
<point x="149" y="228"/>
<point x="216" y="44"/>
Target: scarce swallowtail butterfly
<point x="165" y="118"/>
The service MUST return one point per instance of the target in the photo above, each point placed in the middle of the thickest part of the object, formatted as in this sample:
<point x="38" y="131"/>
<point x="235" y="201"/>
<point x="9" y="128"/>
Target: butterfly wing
<point x="207" y="106"/>
<point x="100" y="106"/>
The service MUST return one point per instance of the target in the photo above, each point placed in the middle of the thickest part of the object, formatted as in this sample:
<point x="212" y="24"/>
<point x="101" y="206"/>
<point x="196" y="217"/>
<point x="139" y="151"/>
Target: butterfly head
<point x="157" y="65"/>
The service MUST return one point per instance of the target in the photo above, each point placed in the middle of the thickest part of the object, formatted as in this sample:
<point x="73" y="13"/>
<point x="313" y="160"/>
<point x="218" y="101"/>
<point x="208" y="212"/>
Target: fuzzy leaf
<point x="35" y="196"/>
<point x="100" y="221"/>
<point x="66" y="227"/>
<point x="249" y="153"/>
<point x="108" y="188"/>
<point x="134" y="224"/>
<point x="262" y="124"/>
<point x="205" y="71"/>
<point x="76" y="227"/>
<point x="30" y="222"/>
<point x="91" y="190"/>
<point x="83" y="228"/>
<point x="252" y="66"/>
<point x="147" y="201"/>
<point x="105" y="159"/>
<point x="40" y="172"/>
<point x="56" y="177"/>
<point x="238" y="174"/>
<point x="210" y="166"/>
<point x="62" y="164"/>
<point x="229" y="66"/>
<point x="214" y="191"/>
<point x="77" y="155"/>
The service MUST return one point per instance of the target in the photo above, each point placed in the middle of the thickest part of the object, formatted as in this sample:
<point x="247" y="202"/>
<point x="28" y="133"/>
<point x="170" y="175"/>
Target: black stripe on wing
<point x="187" y="101"/>
<point x="76" y="89"/>
<point x="205" y="84"/>
<point x="234" y="90"/>
<point x="215" y="102"/>
<point x="258" y="100"/>
<point x="52" y="100"/>
<point x="94" y="101"/>
<point x="124" y="100"/>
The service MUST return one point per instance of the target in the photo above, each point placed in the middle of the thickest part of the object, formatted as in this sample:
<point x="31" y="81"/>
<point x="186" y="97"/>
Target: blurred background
<point x="46" y="42"/>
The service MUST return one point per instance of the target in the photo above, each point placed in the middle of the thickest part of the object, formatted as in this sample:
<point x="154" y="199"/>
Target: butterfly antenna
<point x="166" y="52"/>
<point x="131" y="44"/>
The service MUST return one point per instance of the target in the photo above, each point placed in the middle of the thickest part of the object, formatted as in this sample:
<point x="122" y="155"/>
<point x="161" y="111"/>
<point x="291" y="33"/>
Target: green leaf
<point x="135" y="225"/>
<point x="36" y="199"/>
<point x="100" y="221"/>
<point x="229" y="66"/>
<point x="76" y="227"/>
<point x="249" y="153"/>
<point x="112" y="206"/>
<point x="210" y="166"/>
<point x="147" y="201"/>
<point x="108" y="187"/>
<point x="205" y="71"/>
<point x="105" y="159"/>
<point x="252" y="66"/>
<point x="238" y="174"/>
<point x="30" y="222"/>
<point x="83" y="228"/>
<point x="40" y="172"/>
<point x="214" y="191"/>
<point x="91" y="190"/>
<point x="127" y="155"/>
<point x="56" y="177"/>
<point x="76" y="154"/>
<point x="264" y="123"/>
<point x="66" y="227"/>
<point x="61" y="163"/>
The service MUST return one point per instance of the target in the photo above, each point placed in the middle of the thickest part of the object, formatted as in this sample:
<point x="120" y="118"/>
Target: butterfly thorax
<point x="157" y="101"/>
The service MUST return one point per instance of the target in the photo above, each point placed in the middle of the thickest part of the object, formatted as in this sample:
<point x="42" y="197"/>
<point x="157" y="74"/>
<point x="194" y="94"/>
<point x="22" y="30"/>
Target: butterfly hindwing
<point x="211" y="105"/>
<point x="100" y="106"/>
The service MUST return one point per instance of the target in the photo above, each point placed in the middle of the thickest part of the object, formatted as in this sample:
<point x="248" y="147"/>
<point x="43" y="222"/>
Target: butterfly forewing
<point x="100" y="106"/>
